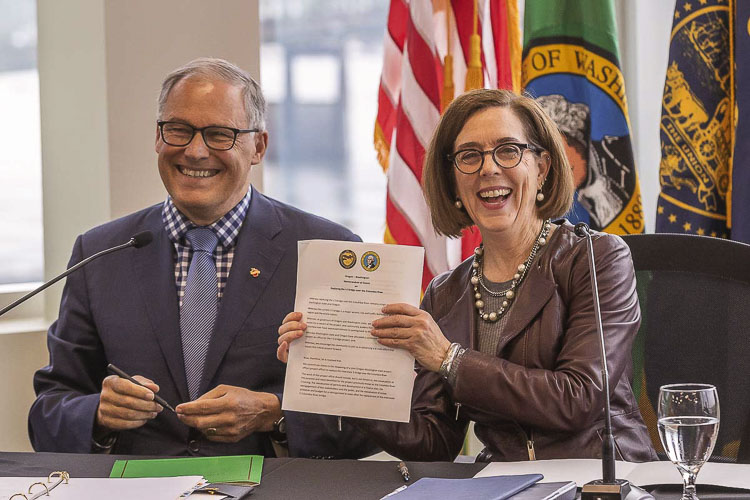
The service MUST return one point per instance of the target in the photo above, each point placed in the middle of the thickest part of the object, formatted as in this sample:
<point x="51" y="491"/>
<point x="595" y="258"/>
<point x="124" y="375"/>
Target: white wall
<point x="644" y="27"/>
<point x="101" y="63"/>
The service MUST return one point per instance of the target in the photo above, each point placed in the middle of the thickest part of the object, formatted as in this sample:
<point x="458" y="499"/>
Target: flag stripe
<point x="488" y="47"/>
<point x="501" y="19"/>
<point x="390" y="80"/>
<point x="409" y="148"/>
<point x="398" y="16"/>
<point x="423" y="113"/>
<point x="464" y="13"/>
<point x="459" y="61"/>
<point x="405" y="192"/>
<point x="386" y="114"/>
<point x="421" y="54"/>
<point x="402" y="233"/>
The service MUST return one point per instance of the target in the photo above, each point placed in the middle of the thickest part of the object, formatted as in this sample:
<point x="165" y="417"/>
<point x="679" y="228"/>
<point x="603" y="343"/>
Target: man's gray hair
<point x="210" y="68"/>
<point x="572" y="118"/>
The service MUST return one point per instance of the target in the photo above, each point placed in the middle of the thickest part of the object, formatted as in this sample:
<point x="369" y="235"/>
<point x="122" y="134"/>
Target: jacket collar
<point x="532" y="295"/>
<point x="453" y="322"/>
<point x="154" y="268"/>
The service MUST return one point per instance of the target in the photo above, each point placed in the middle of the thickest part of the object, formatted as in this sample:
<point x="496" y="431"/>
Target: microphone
<point x="142" y="239"/>
<point x="608" y="487"/>
<point x="138" y="240"/>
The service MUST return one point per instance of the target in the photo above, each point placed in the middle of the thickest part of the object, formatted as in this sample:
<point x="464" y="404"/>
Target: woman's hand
<point x="413" y="329"/>
<point x="291" y="329"/>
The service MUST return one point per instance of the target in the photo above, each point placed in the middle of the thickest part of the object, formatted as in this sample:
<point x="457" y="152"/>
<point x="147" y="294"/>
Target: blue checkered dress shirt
<point x="227" y="228"/>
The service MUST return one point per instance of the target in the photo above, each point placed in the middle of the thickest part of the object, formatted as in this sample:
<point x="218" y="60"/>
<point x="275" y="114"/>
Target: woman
<point x="508" y="338"/>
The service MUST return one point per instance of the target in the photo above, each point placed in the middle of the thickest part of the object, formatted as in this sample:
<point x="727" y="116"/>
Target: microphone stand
<point x="139" y="240"/>
<point x="608" y="487"/>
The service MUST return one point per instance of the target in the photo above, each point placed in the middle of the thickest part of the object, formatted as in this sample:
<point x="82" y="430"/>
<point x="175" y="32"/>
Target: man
<point x="194" y="315"/>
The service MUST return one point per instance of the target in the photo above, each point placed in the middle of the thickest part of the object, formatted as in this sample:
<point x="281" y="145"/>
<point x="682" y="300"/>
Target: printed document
<point x="583" y="470"/>
<point x="82" y="488"/>
<point x="337" y="367"/>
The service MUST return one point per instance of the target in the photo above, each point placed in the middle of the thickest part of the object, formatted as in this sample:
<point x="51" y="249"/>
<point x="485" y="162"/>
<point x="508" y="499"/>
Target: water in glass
<point x="688" y="421"/>
<point x="688" y="441"/>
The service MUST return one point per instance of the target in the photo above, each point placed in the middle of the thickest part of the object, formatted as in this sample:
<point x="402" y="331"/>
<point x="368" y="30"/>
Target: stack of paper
<point x="641" y="474"/>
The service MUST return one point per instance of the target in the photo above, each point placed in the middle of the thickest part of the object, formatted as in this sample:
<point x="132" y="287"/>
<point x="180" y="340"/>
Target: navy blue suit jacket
<point x="123" y="309"/>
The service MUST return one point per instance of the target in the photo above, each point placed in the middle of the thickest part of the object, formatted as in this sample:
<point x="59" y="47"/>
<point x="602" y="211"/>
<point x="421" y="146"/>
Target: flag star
<point x="701" y="231"/>
<point x="686" y="226"/>
<point x="703" y="2"/>
<point x="687" y="7"/>
<point x="672" y="218"/>
<point x="660" y="210"/>
<point x="677" y="14"/>
<point x="713" y="234"/>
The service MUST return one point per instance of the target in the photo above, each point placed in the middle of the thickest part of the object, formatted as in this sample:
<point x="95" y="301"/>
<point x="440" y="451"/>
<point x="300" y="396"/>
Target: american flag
<point x="435" y="50"/>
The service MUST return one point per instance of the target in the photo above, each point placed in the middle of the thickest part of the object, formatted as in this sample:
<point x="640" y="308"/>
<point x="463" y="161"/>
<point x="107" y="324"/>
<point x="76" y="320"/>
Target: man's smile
<point x="196" y="173"/>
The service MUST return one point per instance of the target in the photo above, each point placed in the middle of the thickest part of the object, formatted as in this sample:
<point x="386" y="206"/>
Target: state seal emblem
<point x="347" y="259"/>
<point x="370" y="261"/>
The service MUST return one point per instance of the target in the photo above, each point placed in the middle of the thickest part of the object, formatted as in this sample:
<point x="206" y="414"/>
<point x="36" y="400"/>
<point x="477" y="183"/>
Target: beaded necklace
<point x="510" y="293"/>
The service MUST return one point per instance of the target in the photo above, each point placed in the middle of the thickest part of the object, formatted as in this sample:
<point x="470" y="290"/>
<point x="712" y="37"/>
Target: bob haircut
<point x="438" y="177"/>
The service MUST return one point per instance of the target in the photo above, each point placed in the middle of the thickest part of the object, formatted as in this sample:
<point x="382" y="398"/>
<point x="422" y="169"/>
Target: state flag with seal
<point x="571" y="66"/>
<point x="705" y="182"/>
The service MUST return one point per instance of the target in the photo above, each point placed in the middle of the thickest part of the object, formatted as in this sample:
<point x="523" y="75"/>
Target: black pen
<point x="124" y="375"/>
<point x="403" y="470"/>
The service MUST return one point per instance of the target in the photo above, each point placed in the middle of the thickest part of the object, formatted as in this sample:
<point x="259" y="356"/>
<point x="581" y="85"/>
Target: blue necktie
<point x="199" y="305"/>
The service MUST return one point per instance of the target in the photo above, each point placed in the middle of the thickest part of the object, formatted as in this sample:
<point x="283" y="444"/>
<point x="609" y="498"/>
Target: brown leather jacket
<point x="541" y="395"/>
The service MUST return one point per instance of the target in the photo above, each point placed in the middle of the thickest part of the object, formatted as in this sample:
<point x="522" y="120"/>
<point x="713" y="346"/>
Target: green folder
<point x="238" y="469"/>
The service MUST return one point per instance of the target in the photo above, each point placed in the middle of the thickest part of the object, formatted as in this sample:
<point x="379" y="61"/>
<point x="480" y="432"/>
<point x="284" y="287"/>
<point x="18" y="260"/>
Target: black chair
<point x="694" y="293"/>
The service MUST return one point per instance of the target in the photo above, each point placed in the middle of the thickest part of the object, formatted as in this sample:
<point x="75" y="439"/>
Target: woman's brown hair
<point x="437" y="176"/>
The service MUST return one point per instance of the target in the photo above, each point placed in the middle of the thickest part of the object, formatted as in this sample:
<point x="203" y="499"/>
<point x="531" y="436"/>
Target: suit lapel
<point x="536" y="290"/>
<point x="454" y="323"/>
<point x="154" y="268"/>
<point x="255" y="249"/>
<point x="532" y="295"/>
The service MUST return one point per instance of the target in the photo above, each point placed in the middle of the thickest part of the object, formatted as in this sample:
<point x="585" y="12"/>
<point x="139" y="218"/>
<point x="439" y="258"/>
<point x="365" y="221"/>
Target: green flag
<point x="571" y="65"/>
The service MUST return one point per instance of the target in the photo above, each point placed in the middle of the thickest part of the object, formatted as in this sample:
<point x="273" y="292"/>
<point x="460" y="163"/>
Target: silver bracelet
<point x="445" y="366"/>
<point x="453" y="368"/>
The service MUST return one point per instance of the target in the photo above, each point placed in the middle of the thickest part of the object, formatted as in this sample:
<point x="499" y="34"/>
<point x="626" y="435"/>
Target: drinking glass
<point x="688" y="426"/>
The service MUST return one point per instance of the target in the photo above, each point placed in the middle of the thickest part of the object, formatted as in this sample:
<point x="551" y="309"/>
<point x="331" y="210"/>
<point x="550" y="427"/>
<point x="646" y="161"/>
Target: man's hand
<point x="227" y="414"/>
<point x="124" y="405"/>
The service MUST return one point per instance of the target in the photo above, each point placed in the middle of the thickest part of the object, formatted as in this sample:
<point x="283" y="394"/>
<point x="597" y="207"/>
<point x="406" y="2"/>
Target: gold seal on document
<point x="347" y="259"/>
<point x="370" y="261"/>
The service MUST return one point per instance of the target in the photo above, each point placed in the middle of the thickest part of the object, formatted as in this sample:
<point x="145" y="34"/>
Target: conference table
<point x="294" y="478"/>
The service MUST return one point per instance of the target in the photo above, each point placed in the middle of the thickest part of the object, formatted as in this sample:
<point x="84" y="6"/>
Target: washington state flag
<point x="571" y="66"/>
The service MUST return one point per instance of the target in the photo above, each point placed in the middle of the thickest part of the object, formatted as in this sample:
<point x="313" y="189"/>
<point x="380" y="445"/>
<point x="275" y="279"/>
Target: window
<point x="320" y="71"/>
<point x="21" y="252"/>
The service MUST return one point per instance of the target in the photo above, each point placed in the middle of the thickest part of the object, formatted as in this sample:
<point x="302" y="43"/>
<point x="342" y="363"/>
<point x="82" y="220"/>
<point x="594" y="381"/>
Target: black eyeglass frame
<point x="202" y="130"/>
<point x="520" y="145"/>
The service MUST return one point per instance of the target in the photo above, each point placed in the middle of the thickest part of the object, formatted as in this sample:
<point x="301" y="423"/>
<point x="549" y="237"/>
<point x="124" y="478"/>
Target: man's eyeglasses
<point x="219" y="138"/>
<point x="506" y="155"/>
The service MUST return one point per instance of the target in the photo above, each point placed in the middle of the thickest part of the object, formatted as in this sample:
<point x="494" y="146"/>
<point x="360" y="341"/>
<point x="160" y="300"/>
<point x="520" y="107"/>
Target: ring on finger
<point x="211" y="431"/>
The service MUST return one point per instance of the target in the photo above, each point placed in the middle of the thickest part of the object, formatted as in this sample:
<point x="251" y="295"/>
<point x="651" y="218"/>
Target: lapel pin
<point x="254" y="272"/>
